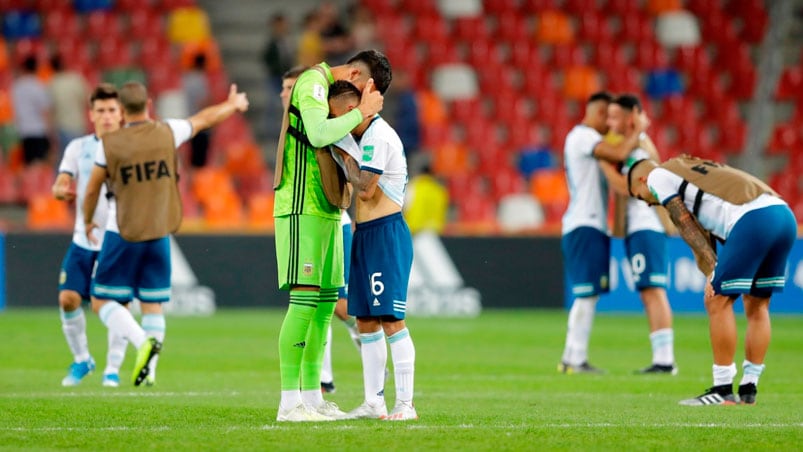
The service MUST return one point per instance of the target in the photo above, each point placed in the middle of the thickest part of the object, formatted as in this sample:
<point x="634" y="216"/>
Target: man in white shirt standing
<point x="76" y="269"/>
<point x="585" y="240"/>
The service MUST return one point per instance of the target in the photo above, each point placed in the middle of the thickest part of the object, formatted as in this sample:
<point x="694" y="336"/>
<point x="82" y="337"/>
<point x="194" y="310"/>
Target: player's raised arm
<point x="211" y="116"/>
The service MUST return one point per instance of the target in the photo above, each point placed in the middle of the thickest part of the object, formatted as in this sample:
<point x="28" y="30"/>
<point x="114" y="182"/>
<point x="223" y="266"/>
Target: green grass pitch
<point x="487" y="383"/>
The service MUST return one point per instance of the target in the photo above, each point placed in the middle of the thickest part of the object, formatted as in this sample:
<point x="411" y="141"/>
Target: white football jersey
<point x="640" y="216"/>
<point x="182" y="132"/>
<point x="715" y="215"/>
<point x="78" y="161"/>
<point x="383" y="154"/>
<point x="588" y="188"/>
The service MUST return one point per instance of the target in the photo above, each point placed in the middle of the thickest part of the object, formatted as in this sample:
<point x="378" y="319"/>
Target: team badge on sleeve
<point x="367" y="153"/>
<point x="319" y="92"/>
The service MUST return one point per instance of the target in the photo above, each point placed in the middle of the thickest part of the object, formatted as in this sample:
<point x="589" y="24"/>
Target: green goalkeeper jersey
<point x="300" y="191"/>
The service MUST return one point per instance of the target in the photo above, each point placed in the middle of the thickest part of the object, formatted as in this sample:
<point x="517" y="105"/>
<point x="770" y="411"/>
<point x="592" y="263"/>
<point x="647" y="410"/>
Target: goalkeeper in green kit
<point x="307" y="211"/>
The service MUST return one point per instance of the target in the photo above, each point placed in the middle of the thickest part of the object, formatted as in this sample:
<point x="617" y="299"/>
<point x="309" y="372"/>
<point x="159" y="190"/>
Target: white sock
<point x="402" y="351"/>
<point x="374" y="353"/>
<point x="73" y="323"/>
<point x="751" y="372"/>
<point x="290" y="399"/>
<point x="326" y="367"/>
<point x="119" y="319"/>
<point x="581" y="317"/>
<point x="312" y="398"/>
<point x="116" y="354"/>
<point x="154" y="326"/>
<point x="723" y="375"/>
<point x="663" y="346"/>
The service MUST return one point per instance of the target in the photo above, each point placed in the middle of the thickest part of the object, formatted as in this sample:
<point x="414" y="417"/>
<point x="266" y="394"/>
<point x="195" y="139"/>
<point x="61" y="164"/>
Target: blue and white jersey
<point x="715" y="215"/>
<point x="78" y="161"/>
<point x="182" y="132"/>
<point x="588" y="188"/>
<point x="640" y="215"/>
<point x="383" y="153"/>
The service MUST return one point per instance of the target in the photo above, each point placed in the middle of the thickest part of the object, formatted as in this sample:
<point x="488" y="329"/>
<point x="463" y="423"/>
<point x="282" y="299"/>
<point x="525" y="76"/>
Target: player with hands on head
<point x="307" y="212"/>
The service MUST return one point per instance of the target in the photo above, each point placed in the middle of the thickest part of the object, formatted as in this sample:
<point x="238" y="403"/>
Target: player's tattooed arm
<point x="363" y="181"/>
<point x="694" y="234"/>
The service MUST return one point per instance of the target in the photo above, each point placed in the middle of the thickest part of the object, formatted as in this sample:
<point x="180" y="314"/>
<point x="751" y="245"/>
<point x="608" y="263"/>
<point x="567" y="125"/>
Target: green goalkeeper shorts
<point x="309" y="251"/>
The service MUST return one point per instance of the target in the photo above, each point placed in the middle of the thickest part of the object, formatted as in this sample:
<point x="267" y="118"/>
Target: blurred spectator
<point x="337" y="43"/>
<point x="32" y="112"/>
<point x="279" y="53"/>
<point x="427" y="203"/>
<point x="196" y="90"/>
<point x="363" y="28"/>
<point x="278" y="57"/>
<point x="310" y="43"/>
<point x="69" y="92"/>
<point x="405" y="117"/>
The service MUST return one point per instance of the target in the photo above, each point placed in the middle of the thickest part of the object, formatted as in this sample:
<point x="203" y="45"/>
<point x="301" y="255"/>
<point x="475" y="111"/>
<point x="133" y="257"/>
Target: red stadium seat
<point x="431" y="29"/>
<point x="62" y="24"/>
<point x="636" y="27"/>
<point x="567" y="55"/>
<point x="102" y="25"/>
<point x="506" y="181"/>
<point x="785" y="139"/>
<point x="651" y="55"/>
<point x="144" y="23"/>
<point x="791" y="84"/>
<point x="538" y="6"/>
<point x="623" y="7"/>
<point x="512" y="28"/>
<point x="719" y="28"/>
<point x="497" y="7"/>
<point x="380" y="7"/>
<point x="8" y="186"/>
<point x="626" y="80"/>
<point x="75" y="53"/>
<point x="470" y="29"/>
<point x="610" y="57"/>
<point x="419" y="7"/>
<point x="594" y="27"/>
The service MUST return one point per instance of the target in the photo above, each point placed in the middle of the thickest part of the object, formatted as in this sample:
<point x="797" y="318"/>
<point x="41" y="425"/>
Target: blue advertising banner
<point x="686" y="282"/>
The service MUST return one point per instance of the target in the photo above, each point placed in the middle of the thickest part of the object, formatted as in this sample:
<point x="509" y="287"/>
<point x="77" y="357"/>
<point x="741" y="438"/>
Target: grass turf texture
<point x="481" y="384"/>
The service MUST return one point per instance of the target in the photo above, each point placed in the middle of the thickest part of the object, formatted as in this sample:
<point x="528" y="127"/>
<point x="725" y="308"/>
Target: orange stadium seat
<point x="243" y="158"/>
<point x="208" y="47"/>
<point x="260" y="211"/>
<point x="450" y="159"/>
<point x="580" y="82"/>
<point x="46" y="212"/>
<point x="658" y="7"/>
<point x="3" y="55"/>
<point x="208" y="181"/>
<point x="549" y="186"/>
<point x="6" y="107"/>
<point x="554" y="27"/>
<point x="223" y="210"/>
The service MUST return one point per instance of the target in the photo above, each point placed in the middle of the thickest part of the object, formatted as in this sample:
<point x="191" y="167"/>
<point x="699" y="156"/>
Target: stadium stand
<point x="495" y="79"/>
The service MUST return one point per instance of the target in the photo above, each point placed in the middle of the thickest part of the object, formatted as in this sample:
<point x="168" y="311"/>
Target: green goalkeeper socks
<point x="293" y="335"/>
<point x="316" y="340"/>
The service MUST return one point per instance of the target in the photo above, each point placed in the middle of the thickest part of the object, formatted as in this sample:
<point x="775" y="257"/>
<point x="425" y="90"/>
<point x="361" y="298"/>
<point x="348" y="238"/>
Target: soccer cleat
<point x="331" y="410"/>
<point x="301" y="413"/>
<point x="145" y="353"/>
<point x="328" y="388"/>
<point x="78" y="371"/>
<point x="403" y="411"/>
<point x="368" y="411"/>
<point x="150" y="380"/>
<point x="747" y="394"/>
<point x="583" y="368"/>
<point x="715" y="395"/>
<point x="111" y="380"/>
<point x="657" y="369"/>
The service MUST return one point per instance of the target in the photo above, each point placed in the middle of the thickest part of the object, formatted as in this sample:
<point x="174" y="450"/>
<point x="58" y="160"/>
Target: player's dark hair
<point x="102" y="92"/>
<point x="343" y="88"/>
<point x="630" y="175"/>
<point x="378" y="65"/>
<point x="294" y="72"/>
<point x="628" y="102"/>
<point x="600" y="95"/>
<point x="134" y="97"/>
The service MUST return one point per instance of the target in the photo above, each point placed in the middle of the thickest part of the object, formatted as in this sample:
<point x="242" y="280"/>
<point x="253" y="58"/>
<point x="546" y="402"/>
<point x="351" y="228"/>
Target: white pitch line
<point x="415" y="426"/>
<point x="113" y="393"/>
